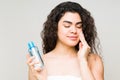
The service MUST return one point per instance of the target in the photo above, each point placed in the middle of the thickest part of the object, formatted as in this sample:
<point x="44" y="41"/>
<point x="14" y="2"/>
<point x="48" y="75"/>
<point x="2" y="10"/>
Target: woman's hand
<point x="36" y="72"/>
<point x="84" y="48"/>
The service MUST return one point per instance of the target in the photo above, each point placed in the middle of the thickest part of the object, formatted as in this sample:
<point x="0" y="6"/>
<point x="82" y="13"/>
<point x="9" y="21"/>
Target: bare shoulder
<point x="95" y="59"/>
<point x="47" y="55"/>
<point x="96" y="65"/>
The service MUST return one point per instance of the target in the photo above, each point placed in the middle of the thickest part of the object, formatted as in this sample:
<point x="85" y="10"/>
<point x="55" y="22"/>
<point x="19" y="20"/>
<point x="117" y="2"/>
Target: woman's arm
<point x="96" y="66"/>
<point x="92" y="69"/>
<point x="86" y="73"/>
<point x="35" y="73"/>
<point x="30" y="75"/>
<point x="91" y="66"/>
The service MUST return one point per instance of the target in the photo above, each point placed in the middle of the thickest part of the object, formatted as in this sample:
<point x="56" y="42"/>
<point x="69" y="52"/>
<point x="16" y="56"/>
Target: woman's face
<point x="69" y="28"/>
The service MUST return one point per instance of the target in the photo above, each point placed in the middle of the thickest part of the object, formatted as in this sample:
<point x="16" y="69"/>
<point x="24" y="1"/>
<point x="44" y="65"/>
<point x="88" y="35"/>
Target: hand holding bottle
<point x="36" y="73"/>
<point x="35" y="63"/>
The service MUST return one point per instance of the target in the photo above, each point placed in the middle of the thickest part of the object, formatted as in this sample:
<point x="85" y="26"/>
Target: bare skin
<point x="64" y="59"/>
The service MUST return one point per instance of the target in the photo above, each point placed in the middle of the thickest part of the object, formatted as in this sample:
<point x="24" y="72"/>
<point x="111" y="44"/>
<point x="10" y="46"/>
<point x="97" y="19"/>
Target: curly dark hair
<point x="50" y="27"/>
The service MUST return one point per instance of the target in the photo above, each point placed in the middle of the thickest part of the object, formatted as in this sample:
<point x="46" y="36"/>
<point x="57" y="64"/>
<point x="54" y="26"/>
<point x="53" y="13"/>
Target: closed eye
<point x="66" y="26"/>
<point x="79" y="26"/>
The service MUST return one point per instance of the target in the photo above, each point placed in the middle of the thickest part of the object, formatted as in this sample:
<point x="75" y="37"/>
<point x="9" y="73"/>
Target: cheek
<point x="62" y="33"/>
<point x="79" y="31"/>
<point x="62" y="30"/>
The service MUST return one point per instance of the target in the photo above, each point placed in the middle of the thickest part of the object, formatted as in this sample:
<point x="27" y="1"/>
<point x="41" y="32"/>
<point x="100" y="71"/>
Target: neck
<point x="63" y="50"/>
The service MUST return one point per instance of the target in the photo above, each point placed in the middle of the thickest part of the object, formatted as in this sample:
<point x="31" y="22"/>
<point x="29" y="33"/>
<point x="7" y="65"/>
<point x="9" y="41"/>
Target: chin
<point x="73" y="44"/>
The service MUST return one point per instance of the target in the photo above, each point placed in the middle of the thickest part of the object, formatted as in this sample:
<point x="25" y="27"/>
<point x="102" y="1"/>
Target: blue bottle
<point x="33" y="51"/>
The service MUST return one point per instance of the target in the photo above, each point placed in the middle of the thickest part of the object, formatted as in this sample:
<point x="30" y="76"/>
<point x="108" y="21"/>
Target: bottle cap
<point x="31" y="44"/>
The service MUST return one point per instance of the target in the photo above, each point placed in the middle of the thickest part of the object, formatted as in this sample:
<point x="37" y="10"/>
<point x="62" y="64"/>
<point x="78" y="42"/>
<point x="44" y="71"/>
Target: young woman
<point x="69" y="46"/>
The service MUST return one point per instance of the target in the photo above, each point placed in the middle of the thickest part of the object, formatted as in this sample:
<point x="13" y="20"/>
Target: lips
<point x="72" y="37"/>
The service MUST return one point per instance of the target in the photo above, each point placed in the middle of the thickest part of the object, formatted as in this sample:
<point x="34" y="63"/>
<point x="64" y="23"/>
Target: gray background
<point x="21" y="21"/>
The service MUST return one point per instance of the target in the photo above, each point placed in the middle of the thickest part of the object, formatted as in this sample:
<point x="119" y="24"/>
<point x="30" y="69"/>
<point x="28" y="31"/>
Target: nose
<point x="73" y="29"/>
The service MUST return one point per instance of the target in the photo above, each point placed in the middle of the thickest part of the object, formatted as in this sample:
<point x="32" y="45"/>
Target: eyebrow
<point x="71" y="22"/>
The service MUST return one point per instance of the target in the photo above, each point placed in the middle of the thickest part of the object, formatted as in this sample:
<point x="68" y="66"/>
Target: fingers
<point x="82" y="38"/>
<point x="83" y="41"/>
<point x="28" y="56"/>
<point x="35" y="69"/>
<point x="31" y="61"/>
<point x="38" y="69"/>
